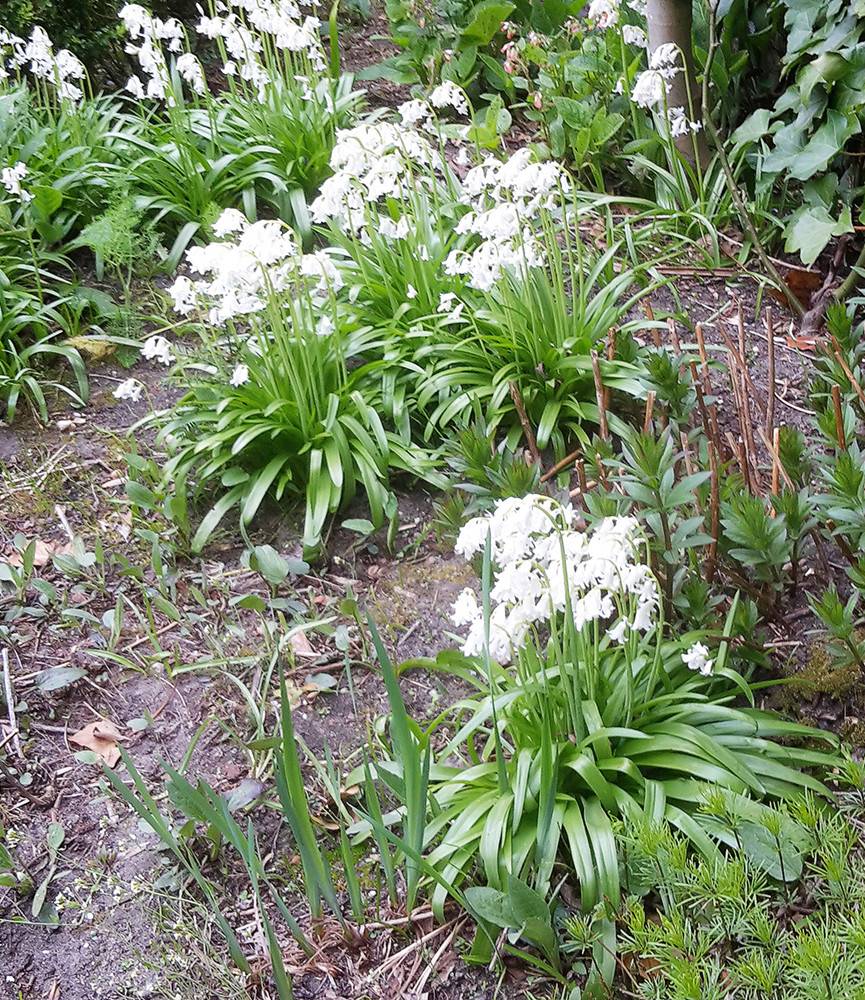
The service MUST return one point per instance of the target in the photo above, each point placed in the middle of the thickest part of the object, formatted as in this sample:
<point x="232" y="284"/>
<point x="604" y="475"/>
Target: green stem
<point x="849" y="283"/>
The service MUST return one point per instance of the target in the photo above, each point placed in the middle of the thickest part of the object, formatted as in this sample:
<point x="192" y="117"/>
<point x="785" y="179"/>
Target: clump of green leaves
<point x="726" y="927"/>
<point x="757" y="541"/>
<point x="843" y="625"/>
<point x="120" y="240"/>
<point x="805" y="139"/>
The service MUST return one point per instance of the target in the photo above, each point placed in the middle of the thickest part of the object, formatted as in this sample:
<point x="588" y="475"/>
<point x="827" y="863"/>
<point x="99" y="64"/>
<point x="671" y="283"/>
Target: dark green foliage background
<point x="89" y="28"/>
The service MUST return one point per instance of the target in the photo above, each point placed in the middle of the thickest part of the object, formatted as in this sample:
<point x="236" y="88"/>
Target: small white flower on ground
<point x="414" y="112"/>
<point x="394" y="230"/>
<point x="697" y="658"/>
<point x="472" y="537"/>
<point x="604" y="13"/>
<point x="411" y="292"/>
<point x="448" y="303"/>
<point x="130" y="390"/>
<point x="136" y="19"/>
<point x="240" y="376"/>
<point x="190" y="70"/>
<point x="618" y="632"/>
<point x="325" y="327"/>
<point x="448" y="95"/>
<point x="182" y="294"/>
<point x="157" y="349"/>
<point x="665" y="56"/>
<point x="135" y="87"/>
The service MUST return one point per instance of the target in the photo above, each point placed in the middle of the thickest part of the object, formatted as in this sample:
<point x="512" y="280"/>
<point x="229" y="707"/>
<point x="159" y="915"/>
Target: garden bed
<point x="126" y="634"/>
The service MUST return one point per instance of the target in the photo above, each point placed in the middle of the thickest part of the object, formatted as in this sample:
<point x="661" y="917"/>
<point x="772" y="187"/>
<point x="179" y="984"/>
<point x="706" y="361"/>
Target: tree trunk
<point x="671" y="21"/>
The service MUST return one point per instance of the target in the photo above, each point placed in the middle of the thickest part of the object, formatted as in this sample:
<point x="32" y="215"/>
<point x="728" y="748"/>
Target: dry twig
<point x="599" y="396"/>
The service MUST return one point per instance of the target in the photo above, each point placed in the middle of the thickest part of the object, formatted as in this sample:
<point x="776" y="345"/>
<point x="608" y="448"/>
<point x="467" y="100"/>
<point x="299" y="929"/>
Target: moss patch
<point x="821" y="676"/>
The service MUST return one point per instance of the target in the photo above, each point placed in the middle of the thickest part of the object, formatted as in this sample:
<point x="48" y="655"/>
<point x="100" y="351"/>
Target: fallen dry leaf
<point x="102" y="738"/>
<point x="801" y="343"/>
<point x="92" y="347"/>
<point x="42" y="553"/>
<point x="802" y="284"/>
<point x="300" y="644"/>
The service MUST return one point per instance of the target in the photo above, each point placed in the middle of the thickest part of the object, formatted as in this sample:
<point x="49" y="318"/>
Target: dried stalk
<point x="583" y="486"/>
<point x="650" y="406"/>
<point x="839" y="418"/>
<point x="599" y="396"/>
<point x="689" y="466"/>
<point x="737" y="449"/>
<point x="9" y="694"/>
<point x="742" y="367"/>
<point x="715" y="512"/>
<point x="743" y="441"/>
<point x="770" y="343"/>
<point x="850" y="376"/>
<point x="524" y="422"/>
<point x="729" y="178"/>
<point x="559" y="466"/>
<point x="776" y="459"/>
<point x="611" y="356"/>
<point x="711" y="409"/>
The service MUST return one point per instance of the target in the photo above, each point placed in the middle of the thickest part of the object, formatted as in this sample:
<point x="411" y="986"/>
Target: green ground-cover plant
<point x="634" y="767"/>
<point x="40" y="305"/>
<point x="267" y="155"/>
<point x="458" y="40"/>
<point x="433" y="304"/>
<point x="466" y="323"/>
<point x="572" y="72"/>
<point x="293" y="132"/>
<point x="262" y="142"/>
<point x="321" y="440"/>
<point x="290" y="407"/>
<point x="543" y="762"/>
<point x="574" y="85"/>
<point x="56" y="158"/>
<point x="69" y="152"/>
<point x="536" y="331"/>
<point x="724" y="930"/>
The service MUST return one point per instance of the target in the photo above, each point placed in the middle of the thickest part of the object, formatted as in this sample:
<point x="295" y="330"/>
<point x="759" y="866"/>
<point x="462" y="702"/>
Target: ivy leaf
<point x="753" y="128"/>
<point x="825" y="69"/>
<point x="810" y="229"/>
<point x="826" y="142"/>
